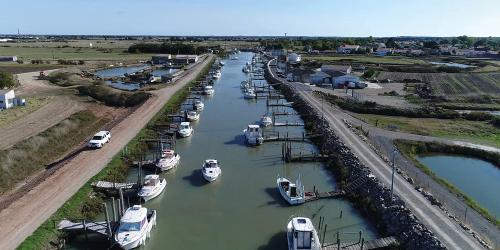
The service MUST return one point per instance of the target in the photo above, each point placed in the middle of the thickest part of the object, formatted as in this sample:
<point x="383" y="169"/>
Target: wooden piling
<point x="108" y="224"/>
<point x="324" y="232"/>
<point x="113" y="208"/>
<point x="122" y="200"/>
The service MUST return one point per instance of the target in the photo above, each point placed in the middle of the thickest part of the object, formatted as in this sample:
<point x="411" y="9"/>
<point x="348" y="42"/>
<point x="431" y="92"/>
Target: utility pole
<point x="394" y="151"/>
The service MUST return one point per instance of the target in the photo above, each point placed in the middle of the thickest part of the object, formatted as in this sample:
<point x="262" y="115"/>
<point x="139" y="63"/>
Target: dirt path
<point x="25" y="215"/>
<point x="30" y="85"/>
<point x="58" y="109"/>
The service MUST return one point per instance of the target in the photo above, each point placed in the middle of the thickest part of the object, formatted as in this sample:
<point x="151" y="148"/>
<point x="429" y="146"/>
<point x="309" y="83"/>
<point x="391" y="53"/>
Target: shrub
<point x="369" y="73"/>
<point x="478" y="116"/>
<point x="496" y="121"/>
<point x="7" y="80"/>
<point x="60" y="78"/>
<point x="112" y="98"/>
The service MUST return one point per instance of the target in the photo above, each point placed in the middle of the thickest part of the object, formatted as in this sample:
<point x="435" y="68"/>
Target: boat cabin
<point x="185" y="125"/>
<point x="253" y="128"/>
<point x="289" y="188"/>
<point x="168" y="153"/>
<point x="151" y="180"/>
<point x="134" y="219"/>
<point x="302" y="233"/>
<point x="210" y="164"/>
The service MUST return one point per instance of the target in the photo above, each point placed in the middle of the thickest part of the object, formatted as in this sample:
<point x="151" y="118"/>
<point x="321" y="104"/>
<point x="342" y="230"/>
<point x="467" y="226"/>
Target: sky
<point x="353" y="18"/>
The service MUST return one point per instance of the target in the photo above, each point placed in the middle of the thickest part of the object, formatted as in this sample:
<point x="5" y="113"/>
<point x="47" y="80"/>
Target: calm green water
<point x="242" y="209"/>
<point x="478" y="179"/>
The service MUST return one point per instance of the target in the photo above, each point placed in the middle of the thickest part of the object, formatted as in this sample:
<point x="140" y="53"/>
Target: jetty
<point x="313" y="196"/>
<point x="362" y="245"/>
<point x="113" y="185"/>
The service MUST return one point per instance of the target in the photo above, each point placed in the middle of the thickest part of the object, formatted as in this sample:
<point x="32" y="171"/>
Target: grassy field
<point x="116" y="171"/>
<point x="366" y="59"/>
<point x="473" y="131"/>
<point x="89" y="54"/>
<point x="453" y="84"/>
<point x="412" y="149"/>
<point x="16" y="68"/>
<point x="34" y="153"/>
<point x="32" y="104"/>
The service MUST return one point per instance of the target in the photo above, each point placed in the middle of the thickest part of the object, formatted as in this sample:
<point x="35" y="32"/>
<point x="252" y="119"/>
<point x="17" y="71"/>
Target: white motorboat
<point x="192" y="116"/>
<point x="198" y="105"/>
<point x="185" y="129"/>
<point x="221" y="63"/>
<point x="208" y="90"/>
<point x="153" y="186"/>
<point x="293" y="193"/>
<point x="217" y="74"/>
<point x="249" y="94"/>
<point x="234" y="58"/>
<point x="135" y="227"/>
<point x="253" y="135"/>
<point x="301" y="234"/>
<point x="244" y="84"/>
<point x="266" y="120"/>
<point x="211" y="170"/>
<point x="168" y="160"/>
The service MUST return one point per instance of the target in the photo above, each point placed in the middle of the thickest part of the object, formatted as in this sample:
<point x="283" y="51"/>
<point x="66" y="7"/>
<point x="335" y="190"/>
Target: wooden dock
<point x="288" y="124"/>
<point x="313" y="196"/>
<point x="371" y="244"/>
<point x="100" y="228"/>
<point x="113" y="185"/>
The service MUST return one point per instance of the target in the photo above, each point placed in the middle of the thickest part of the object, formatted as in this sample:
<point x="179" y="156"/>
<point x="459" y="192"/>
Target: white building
<point x="8" y="58"/>
<point x="7" y="98"/>
<point x="294" y="58"/>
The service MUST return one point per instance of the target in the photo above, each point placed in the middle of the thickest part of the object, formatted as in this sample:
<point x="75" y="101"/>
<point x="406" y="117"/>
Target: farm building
<point x="347" y="49"/>
<point x="185" y="59"/>
<point x="336" y="70"/>
<point x="348" y="81"/>
<point x="161" y="59"/>
<point x="320" y="78"/>
<point x="8" y="58"/>
<point x="7" y="98"/>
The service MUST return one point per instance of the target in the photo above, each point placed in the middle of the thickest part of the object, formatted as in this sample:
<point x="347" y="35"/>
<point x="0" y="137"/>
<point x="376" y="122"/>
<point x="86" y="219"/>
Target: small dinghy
<point x="135" y="227"/>
<point x="153" y="186"/>
<point x="211" y="170"/>
<point x="185" y="129"/>
<point x="293" y="193"/>
<point x="301" y="234"/>
<point x="168" y="160"/>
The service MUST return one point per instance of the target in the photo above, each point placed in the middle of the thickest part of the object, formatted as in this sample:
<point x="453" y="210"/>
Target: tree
<point x="480" y="42"/>
<point x="465" y="40"/>
<point x="431" y="45"/>
<point x="7" y="80"/>
<point x="390" y="43"/>
<point x="444" y="41"/>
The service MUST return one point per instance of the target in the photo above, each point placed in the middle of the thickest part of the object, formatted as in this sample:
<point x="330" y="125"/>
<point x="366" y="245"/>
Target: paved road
<point x="25" y="215"/>
<point x="446" y="230"/>
<point x="449" y="232"/>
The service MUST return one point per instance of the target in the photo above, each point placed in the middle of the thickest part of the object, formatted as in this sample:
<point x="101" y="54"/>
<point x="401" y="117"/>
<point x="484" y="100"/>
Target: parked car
<point x="99" y="139"/>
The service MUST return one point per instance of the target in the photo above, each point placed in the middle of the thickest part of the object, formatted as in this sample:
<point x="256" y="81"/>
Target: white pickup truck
<point x="99" y="139"/>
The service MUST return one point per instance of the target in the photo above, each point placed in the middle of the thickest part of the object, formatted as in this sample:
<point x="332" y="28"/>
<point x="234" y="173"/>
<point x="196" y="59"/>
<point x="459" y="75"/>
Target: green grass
<point x="474" y="131"/>
<point x="116" y="170"/>
<point x="33" y="154"/>
<point x="53" y="54"/>
<point x="32" y="104"/>
<point x="16" y="68"/>
<point x="367" y="59"/>
<point x="412" y="149"/>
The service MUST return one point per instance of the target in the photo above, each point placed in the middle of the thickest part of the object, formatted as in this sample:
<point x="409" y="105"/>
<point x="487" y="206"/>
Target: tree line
<point x="169" y="48"/>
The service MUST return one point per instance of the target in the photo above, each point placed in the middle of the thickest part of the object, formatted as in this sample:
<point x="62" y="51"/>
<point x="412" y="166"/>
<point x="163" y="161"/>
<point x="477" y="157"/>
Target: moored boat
<point x="135" y="227"/>
<point x="168" y="160"/>
<point x="185" y="129"/>
<point x="253" y="135"/>
<point x="153" y="186"/>
<point x="266" y="120"/>
<point x="198" y="105"/>
<point x="208" y="90"/>
<point x="293" y="193"/>
<point x="301" y="234"/>
<point x="192" y="116"/>
<point x="211" y="170"/>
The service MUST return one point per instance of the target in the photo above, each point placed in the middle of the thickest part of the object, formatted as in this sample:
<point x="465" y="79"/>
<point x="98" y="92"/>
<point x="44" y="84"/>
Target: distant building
<point x="336" y="70"/>
<point x="8" y="58"/>
<point x="347" y="49"/>
<point x="320" y="78"/>
<point x="383" y="52"/>
<point x="7" y="98"/>
<point x="185" y="59"/>
<point x="348" y="81"/>
<point x="161" y="59"/>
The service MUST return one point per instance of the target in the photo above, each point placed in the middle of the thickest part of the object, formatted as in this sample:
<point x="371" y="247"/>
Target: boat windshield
<point x="303" y="239"/>
<point x="184" y="126"/>
<point x="211" y="165"/>
<point x="129" y="226"/>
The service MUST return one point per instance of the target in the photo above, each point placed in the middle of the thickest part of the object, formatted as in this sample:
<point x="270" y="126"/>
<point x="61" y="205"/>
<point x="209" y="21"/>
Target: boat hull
<point x="165" y="166"/>
<point x="155" y="193"/>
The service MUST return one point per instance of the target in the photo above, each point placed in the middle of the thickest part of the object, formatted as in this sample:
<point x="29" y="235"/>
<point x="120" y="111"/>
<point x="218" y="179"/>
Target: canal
<point x="243" y="208"/>
<point x="478" y="179"/>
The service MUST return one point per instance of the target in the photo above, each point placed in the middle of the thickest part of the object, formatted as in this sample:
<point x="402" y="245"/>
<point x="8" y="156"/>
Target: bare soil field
<point x="453" y="84"/>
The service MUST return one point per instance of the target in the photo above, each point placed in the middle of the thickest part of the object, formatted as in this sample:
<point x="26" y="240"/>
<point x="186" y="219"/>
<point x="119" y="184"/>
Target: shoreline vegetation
<point x="86" y="203"/>
<point x="412" y="149"/>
